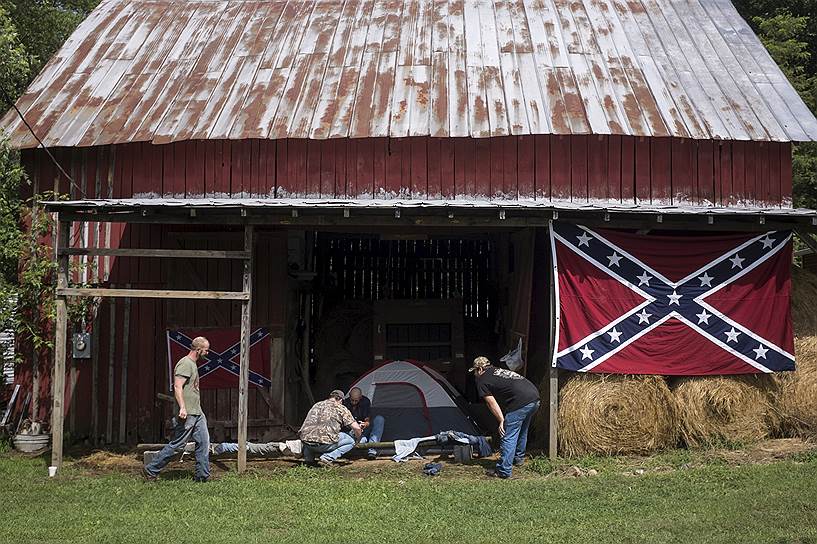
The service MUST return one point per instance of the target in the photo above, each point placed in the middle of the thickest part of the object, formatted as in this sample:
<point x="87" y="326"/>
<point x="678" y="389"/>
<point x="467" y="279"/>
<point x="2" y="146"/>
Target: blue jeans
<point x="374" y="432"/>
<point x="512" y="445"/>
<point x="329" y="452"/>
<point x="195" y="427"/>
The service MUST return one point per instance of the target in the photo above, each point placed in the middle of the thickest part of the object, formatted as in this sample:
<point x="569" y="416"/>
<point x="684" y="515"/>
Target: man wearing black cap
<point x="513" y="401"/>
<point x="320" y="432"/>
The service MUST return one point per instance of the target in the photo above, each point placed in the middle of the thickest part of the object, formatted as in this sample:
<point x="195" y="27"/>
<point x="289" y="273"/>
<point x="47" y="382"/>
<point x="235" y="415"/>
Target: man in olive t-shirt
<point x="190" y="421"/>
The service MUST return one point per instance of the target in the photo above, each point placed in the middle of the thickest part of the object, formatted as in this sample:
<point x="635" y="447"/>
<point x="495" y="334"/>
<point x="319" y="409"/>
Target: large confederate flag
<point x="674" y="305"/>
<point x="220" y="368"/>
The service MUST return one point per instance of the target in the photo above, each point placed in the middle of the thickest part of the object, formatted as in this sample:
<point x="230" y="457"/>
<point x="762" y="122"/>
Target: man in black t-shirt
<point x="360" y="406"/>
<point x="513" y="401"/>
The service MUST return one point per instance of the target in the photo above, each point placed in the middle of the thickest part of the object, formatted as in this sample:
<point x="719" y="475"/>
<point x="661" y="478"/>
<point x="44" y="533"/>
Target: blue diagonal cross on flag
<point x="701" y="305"/>
<point x="220" y="368"/>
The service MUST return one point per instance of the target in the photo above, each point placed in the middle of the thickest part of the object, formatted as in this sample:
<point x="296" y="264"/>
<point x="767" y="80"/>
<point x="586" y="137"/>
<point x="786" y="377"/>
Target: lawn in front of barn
<point x="764" y="493"/>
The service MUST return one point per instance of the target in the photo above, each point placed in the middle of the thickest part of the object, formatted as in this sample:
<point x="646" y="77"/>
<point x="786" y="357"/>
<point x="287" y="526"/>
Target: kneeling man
<point x="320" y="432"/>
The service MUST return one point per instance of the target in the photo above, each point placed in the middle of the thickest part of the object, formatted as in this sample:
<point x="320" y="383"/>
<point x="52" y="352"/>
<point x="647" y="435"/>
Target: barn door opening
<point x="379" y="296"/>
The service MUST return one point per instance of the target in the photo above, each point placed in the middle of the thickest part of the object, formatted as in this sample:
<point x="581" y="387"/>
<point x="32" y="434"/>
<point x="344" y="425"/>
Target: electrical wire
<point x="8" y="100"/>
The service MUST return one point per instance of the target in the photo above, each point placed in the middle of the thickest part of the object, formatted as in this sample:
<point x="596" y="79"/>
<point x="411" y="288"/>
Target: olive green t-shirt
<point x="186" y="368"/>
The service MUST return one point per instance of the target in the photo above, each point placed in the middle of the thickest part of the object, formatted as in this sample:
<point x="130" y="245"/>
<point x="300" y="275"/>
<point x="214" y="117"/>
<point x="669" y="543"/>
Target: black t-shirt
<point x="510" y="390"/>
<point x="360" y="411"/>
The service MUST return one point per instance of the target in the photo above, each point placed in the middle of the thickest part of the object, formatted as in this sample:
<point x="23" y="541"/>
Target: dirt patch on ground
<point x="767" y="451"/>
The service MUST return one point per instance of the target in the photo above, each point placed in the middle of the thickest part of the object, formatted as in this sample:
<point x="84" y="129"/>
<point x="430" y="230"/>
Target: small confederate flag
<point x="220" y="368"/>
<point x="673" y="305"/>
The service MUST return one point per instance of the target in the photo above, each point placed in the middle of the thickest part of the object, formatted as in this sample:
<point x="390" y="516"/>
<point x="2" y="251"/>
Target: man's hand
<point x="364" y="424"/>
<point x="358" y="431"/>
<point x="502" y="428"/>
<point x="182" y="413"/>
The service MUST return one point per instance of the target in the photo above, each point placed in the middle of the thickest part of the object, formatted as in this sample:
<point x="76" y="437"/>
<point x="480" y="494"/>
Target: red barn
<point x="375" y="179"/>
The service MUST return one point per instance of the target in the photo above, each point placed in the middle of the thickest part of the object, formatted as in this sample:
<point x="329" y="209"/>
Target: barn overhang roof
<point x="171" y="70"/>
<point x="427" y="213"/>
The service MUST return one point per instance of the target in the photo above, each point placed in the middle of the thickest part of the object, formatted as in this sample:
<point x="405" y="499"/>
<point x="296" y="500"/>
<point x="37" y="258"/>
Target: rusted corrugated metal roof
<point x="168" y="70"/>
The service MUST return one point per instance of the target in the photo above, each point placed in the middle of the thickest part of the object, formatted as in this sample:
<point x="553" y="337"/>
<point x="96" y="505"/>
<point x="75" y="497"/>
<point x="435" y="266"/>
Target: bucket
<point x="30" y="443"/>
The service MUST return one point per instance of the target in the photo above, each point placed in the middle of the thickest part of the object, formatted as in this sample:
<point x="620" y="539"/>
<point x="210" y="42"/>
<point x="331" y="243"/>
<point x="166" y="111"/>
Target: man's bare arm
<point x="178" y="388"/>
<point x="494" y="408"/>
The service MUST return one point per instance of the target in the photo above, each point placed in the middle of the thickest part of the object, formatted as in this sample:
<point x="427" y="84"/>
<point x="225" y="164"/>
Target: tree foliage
<point x="788" y="29"/>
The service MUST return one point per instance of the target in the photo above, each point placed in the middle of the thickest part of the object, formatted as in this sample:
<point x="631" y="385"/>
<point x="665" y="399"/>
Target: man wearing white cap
<point x="513" y="400"/>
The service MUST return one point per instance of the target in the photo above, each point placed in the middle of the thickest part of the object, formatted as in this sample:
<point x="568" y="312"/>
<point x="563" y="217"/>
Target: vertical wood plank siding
<point x="588" y="168"/>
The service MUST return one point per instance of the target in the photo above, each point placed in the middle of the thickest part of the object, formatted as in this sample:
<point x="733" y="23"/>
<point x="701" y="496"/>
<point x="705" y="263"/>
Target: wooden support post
<point x="244" y="373"/>
<point x="111" y="355"/>
<point x="73" y="378"/>
<point x="553" y="396"/>
<point x="95" y="380"/>
<point x="60" y="340"/>
<point x="123" y="390"/>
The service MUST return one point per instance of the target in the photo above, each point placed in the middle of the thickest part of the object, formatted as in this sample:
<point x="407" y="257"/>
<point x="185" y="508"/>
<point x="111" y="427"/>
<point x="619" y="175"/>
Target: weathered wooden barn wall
<point x="585" y="168"/>
<point x="129" y="364"/>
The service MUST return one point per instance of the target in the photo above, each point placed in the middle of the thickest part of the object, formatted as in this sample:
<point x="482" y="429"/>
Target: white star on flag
<point x="703" y="317"/>
<point x="643" y="317"/>
<point x="674" y="298"/>
<point x="587" y="353"/>
<point x="737" y="261"/>
<point x="706" y="280"/>
<point x="732" y="336"/>
<point x="584" y="239"/>
<point x="614" y="335"/>
<point x="767" y="242"/>
<point x="760" y="352"/>
<point x="614" y="259"/>
<point x="644" y="279"/>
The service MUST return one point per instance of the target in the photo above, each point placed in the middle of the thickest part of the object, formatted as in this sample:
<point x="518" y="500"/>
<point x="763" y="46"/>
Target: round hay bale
<point x="796" y="399"/>
<point x="803" y="299"/>
<point x="609" y="414"/>
<point x="724" y="409"/>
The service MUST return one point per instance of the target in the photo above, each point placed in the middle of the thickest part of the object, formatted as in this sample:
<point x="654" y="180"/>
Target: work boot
<point x="148" y="477"/>
<point x="323" y="462"/>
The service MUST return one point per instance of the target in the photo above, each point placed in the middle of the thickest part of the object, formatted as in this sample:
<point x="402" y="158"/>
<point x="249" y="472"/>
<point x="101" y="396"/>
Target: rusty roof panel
<point x="170" y="70"/>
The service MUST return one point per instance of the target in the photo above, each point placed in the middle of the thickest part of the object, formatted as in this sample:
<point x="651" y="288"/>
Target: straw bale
<point x="796" y="399"/>
<point x="609" y="414"/>
<point x="724" y="409"/>
<point x="108" y="460"/>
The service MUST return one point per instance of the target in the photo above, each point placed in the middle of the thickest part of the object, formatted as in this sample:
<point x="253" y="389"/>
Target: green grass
<point x="756" y="503"/>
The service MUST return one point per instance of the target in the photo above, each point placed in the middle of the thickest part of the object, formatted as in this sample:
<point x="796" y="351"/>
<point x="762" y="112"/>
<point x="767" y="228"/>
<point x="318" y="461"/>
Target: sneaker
<point x="371" y="455"/>
<point x="519" y="462"/>
<point x="325" y="462"/>
<point x="495" y="474"/>
<point x="148" y="477"/>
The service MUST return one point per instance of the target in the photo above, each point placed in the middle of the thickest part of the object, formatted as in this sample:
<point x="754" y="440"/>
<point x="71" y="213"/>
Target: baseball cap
<point x="480" y="362"/>
<point x="337" y="394"/>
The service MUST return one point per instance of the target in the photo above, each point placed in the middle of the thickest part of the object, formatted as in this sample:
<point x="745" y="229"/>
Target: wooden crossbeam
<point x="163" y="253"/>
<point x="151" y="293"/>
